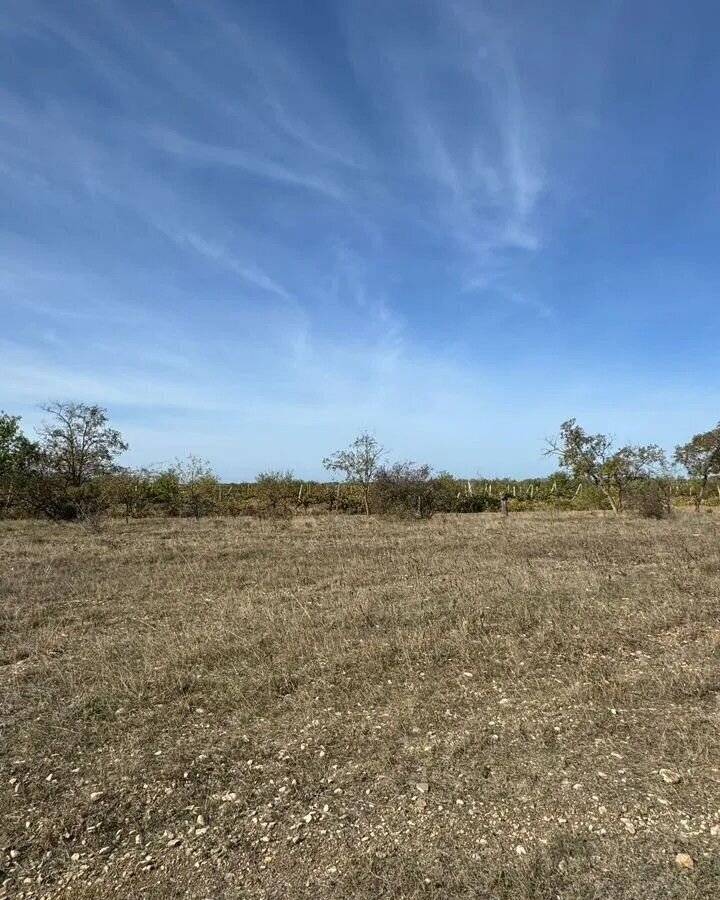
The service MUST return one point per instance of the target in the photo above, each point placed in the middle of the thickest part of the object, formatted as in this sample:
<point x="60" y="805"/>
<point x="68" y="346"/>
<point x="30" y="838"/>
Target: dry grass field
<point x="330" y="707"/>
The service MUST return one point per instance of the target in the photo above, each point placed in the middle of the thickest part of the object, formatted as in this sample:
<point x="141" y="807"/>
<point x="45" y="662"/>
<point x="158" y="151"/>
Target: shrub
<point x="650" y="499"/>
<point x="167" y="492"/>
<point x="475" y="503"/>
<point x="52" y="496"/>
<point x="405" y="489"/>
<point x="277" y="493"/>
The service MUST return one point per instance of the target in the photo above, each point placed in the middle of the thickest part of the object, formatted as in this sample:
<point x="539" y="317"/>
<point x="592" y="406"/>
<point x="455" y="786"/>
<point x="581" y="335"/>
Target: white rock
<point x="684" y="861"/>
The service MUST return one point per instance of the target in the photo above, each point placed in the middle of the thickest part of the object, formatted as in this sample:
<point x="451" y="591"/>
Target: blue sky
<point x="252" y="229"/>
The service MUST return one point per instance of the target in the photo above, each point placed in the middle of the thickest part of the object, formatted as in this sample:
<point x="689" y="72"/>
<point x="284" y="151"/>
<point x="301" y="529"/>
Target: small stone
<point x="174" y="842"/>
<point x="202" y="830"/>
<point x="420" y="803"/>
<point x="423" y="787"/>
<point x="629" y="827"/>
<point x="520" y="850"/>
<point x="14" y="854"/>
<point x="684" y="861"/>
<point x="670" y="777"/>
<point x="96" y="795"/>
<point x="103" y="850"/>
<point x="201" y="820"/>
<point x="715" y="830"/>
<point x="308" y="818"/>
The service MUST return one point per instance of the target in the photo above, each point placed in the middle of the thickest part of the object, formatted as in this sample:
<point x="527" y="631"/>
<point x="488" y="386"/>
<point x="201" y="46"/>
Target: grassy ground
<point x="334" y="708"/>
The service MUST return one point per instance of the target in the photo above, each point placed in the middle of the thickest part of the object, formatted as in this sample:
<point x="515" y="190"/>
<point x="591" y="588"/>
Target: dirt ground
<point x="333" y="707"/>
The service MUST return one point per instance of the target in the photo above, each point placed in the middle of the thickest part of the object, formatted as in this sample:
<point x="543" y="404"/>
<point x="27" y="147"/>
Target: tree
<point x="590" y="458"/>
<point x="359" y="463"/>
<point x="77" y="444"/>
<point x="76" y="452"/>
<point x="18" y="456"/>
<point x="700" y="458"/>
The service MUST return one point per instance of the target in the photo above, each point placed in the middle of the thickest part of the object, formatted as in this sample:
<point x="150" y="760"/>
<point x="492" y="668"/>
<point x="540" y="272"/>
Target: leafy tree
<point x="359" y="463"/>
<point x="700" y="458"/>
<point x="591" y="458"/>
<point x="18" y="457"/>
<point x="77" y="444"/>
<point x="76" y="454"/>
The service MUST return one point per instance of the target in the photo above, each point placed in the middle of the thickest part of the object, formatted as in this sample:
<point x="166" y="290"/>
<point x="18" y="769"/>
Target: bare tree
<point x="591" y="458"/>
<point x="359" y="463"/>
<point x="77" y="443"/>
<point x="700" y="458"/>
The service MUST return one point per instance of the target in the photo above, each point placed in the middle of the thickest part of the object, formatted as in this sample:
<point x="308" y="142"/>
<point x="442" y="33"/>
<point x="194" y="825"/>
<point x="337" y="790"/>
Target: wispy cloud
<point x="313" y="223"/>
<point x="196" y="151"/>
<point x="251" y="274"/>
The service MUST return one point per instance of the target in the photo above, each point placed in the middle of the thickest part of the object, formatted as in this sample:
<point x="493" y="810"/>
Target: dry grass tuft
<point x="332" y="707"/>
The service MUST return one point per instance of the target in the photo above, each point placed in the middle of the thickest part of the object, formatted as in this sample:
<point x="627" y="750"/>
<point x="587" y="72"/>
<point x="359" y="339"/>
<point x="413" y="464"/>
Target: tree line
<point x="70" y="472"/>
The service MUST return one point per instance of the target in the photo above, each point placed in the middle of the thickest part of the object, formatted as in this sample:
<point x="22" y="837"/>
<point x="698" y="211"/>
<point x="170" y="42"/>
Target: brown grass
<point x="339" y="708"/>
